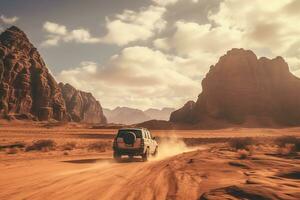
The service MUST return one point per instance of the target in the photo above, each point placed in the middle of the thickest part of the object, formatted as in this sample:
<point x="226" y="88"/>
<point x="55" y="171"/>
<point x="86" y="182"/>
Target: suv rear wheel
<point x="117" y="157"/>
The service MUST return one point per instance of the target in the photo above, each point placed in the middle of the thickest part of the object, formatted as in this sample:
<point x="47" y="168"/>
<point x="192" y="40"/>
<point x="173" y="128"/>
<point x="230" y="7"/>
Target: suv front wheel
<point x="146" y="155"/>
<point x="155" y="152"/>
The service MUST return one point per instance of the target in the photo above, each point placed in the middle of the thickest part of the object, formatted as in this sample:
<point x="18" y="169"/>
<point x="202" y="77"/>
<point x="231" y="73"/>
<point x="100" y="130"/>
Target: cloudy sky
<point x="151" y="53"/>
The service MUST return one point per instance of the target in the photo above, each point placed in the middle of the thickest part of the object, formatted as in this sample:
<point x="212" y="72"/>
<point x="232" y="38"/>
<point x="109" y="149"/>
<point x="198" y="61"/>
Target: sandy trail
<point x="94" y="178"/>
<point x="206" y="173"/>
<point x="75" y="180"/>
<point x="211" y="173"/>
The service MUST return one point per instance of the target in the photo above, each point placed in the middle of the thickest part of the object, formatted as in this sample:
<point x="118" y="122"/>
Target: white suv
<point x="134" y="142"/>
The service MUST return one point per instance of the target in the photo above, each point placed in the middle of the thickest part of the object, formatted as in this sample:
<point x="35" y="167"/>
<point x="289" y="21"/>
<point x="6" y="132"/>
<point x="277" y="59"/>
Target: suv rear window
<point x="138" y="133"/>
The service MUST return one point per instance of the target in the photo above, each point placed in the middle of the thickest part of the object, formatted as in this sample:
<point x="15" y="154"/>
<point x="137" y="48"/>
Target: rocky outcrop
<point x="183" y="114"/>
<point x="81" y="106"/>
<point x="242" y="88"/>
<point x="26" y="86"/>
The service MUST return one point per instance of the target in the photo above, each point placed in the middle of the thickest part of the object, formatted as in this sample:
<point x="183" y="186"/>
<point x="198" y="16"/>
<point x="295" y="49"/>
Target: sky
<point x="151" y="53"/>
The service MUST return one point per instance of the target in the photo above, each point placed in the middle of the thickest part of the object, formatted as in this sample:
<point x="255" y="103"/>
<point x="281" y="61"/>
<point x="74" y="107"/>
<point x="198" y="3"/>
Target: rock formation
<point x="183" y="114"/>
<point x="81" y="106"/>
<point x="241" y="88"/>
<point x="26" y="86"/>
<point x="29" y="91"/>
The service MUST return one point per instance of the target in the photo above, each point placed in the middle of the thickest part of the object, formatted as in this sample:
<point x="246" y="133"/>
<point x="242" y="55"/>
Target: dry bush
<point x="69" y="146"/>
<point x="243" y="154"/>
<point x="288" y="144"/>
<point x="12" y="150"/>
<point x="288" y="149"/>
<point x="99" y="146"/>
<point x="241" y="143"/>
<point x="42" y="145"/>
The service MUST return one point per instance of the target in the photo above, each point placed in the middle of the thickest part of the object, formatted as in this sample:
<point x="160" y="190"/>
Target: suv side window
<point x="150" y="135"/>
<point x="144" y="134"/>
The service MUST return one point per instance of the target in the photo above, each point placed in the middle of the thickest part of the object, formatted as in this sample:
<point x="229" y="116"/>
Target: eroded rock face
<point x="183" y="114"/>
<point x="81" y="106"/>
<point x="26" y="86"/>
<point x="241" y="87"/>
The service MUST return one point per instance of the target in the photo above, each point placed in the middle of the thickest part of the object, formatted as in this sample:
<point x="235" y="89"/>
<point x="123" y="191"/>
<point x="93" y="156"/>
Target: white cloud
<point x="54" y="28"/>
<point x="171" y="2"/>
<point x="137" y="77"/>
<point x="9" y="20"/>
<point x="268" y="28"/>
<point x="168" y="76"/>
<point x="192" y="39"/>
<point x="59" y="33"/>
<point x="52" y="40"/>
<point x="264" y="25"/>
<point x="133" y="26"/>
<point x="165" y="2"/>
<point x="81" y="36"/>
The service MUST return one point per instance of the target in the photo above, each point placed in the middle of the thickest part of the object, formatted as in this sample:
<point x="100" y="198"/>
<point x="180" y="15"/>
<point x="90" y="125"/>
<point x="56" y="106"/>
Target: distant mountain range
<point x="126" y="115"/>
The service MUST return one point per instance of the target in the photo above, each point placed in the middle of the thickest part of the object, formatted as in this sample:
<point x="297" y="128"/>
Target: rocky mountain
<point x="81" y="106"/>
<point x="26" y="87"/>
<point x="29" y="91"/>
<point x="159" y="114"/>
<point x="242" y="89"/>
<point x="126" y="115"/>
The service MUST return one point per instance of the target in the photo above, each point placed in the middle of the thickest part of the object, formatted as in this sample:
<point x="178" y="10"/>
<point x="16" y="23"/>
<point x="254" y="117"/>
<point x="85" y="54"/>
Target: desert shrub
<point x="99" y="146"/>
<point x="241" y="143"/>
<point x="288" y="144"/>
<point x="69" y="146"/>
<point x="41" y="145"/>
<point x="12" y="150"/>
<point x="284" y="140"/>
<point x="243" y="154"/>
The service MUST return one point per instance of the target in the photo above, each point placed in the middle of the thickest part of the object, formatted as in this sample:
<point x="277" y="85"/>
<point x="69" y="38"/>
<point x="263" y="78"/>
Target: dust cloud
<point x="171" y="146"/>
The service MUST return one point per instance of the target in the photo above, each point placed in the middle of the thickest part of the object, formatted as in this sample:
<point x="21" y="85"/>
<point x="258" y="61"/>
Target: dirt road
<point x="99" y="178"/>
<point x="209" y="174"/>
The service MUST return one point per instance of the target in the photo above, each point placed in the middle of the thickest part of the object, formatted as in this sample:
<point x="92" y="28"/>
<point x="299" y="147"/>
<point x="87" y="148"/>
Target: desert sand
<point x="193" y="164"/>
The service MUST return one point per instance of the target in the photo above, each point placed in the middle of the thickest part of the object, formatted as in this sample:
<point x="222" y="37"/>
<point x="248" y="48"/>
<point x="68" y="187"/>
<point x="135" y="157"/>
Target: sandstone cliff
<point x="29" y="91"/>
<point x="27" y="88"/>
<point x="81" y="106"/>
<point x="241" y="89"/>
